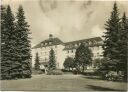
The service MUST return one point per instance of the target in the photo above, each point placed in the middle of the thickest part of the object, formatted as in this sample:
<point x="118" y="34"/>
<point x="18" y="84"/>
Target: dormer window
<point x="90" y="42"/>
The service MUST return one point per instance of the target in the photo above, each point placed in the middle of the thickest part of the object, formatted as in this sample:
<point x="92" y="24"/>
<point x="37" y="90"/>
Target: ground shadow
<point x="99" y="88"/>
<point x="92" y="77"/>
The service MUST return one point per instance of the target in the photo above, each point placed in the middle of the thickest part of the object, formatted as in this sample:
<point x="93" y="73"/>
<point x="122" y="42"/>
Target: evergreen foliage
<point x="23" y="43"/>
<point x="15" y="47"/>
<point x="123" y="45"/>
<point x="115" y="43"/>
<point x="111" y="45"/>
<point x="3" y="39"/>
<point x="37" y="64"/>
<point x="52" y="61"/>
<point x="83" y="57"/>
<point x="69" y="63"/>
<point x="8" y="44"/>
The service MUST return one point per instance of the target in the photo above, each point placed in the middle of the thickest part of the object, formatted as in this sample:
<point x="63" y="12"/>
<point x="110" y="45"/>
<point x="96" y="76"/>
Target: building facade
<point x="63" y="50"/>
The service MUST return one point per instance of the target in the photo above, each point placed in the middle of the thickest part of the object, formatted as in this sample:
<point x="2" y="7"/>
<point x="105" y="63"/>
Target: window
<point x="98" y="54"/>
<point x="45" y="59"/>
<point x="72" y="51"/>
<point x="90" y="42"/>
<point x="68" y="51"/>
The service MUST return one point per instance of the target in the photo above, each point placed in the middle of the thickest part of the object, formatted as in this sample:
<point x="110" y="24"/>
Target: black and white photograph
<point x="64" y="45"/>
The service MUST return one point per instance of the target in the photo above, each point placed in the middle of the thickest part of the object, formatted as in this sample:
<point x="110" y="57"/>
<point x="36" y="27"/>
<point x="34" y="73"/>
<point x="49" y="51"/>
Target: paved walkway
<point x="62" y="82"/>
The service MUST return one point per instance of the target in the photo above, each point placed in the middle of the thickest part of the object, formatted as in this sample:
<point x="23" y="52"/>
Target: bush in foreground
<point x="55" y="72"/>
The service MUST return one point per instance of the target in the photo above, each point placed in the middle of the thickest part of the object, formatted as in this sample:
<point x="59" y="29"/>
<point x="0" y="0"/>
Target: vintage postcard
<point x="64" y="45"/>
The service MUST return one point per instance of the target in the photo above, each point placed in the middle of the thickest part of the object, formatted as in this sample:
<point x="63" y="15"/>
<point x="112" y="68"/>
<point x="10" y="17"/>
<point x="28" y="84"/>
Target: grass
<point x="61" y="82"/>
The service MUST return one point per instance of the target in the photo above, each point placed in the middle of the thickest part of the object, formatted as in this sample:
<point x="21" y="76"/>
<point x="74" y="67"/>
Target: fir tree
<point x="37" y="64"/>
<point x="52" y="61"/>
<point x="3" y="39"/>
<point x="83" y="57"/>
<point x="124" y="45"/>
<point x="23" y="44"/>
<point x="8" y="43"/>
<point x="111" y="42"/>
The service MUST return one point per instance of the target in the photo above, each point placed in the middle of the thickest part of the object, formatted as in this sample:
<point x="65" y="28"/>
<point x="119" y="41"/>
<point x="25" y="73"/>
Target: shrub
<point x="35" y="72"/>
<point x="55" y="72"/>
<point x="69" y="63"/>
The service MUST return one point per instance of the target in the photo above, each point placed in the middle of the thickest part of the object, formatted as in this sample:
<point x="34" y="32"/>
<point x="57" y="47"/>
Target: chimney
<point x="50" y="36"/>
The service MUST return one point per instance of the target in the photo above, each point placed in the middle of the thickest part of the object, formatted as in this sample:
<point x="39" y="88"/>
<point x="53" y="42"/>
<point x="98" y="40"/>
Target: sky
<point x="68" y="20"/>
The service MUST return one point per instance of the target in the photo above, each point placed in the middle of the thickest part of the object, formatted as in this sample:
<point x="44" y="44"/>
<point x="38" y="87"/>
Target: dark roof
<point x="49" y="42"/>
<point x="57" y="41"/>
<point x="96" y="41"/>
<point x="85" y="40"/>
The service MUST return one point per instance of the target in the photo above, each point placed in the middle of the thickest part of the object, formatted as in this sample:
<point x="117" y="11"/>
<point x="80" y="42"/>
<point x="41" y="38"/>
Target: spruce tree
<point x="8" y="43"/>
<point x="52" y="61"/>
<point x="3" y="39"/>
<point x="23" y="44"/>
<point x="37" y="64"/>
<point x="83" y="57"/>
<point x="112" y="36"/>
<point x="124" y="45"/>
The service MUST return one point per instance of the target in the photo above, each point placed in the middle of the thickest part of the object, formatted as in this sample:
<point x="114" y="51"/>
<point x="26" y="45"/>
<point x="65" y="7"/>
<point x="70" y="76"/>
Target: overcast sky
<point x="67" y="19"/>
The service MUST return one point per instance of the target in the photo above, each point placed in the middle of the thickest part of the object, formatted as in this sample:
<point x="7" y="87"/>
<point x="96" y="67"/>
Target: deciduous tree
<point x="83" y="57"/>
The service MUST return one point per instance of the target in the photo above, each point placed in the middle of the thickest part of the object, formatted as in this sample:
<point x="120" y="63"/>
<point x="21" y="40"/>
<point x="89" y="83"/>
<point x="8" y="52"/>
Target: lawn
<point x="61" y="82"/>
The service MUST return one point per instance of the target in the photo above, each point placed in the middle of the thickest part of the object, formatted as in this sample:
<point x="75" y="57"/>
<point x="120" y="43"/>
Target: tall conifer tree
<point x="3" y="39"/>
<point x="23" y="44"/>
<point x="8" y="44"/>
<point x="52" y="61"/>
<point x="37" y="64"/>
<point x="112" y="36"/>
<point x="124" y="45"/>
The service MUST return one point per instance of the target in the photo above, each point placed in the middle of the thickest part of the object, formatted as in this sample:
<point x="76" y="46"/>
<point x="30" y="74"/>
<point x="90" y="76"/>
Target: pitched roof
<point x="57" y="41"/>
<point x="85" y="40"/>
<point x="49" y="42"/>
<point x="96" y="41"/>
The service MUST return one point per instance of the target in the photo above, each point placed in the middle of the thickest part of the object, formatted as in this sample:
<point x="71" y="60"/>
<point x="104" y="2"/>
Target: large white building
<point x="63" y="50"/>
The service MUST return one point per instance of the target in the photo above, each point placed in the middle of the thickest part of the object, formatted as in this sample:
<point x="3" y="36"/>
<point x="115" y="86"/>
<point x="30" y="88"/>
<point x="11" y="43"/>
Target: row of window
<point x="78" y="44"/>
<point x="46" y="58"/>
<point x="71" y="51"/>
<point x="93" y="49"/>
<point x="49" y="47"/>
<point x="95" y="55"/>
<point x="47" y="53"/>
